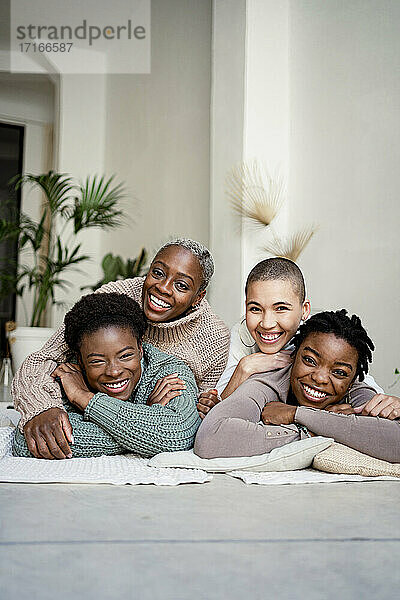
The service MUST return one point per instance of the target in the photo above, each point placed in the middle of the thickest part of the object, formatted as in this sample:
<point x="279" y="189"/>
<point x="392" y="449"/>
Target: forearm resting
<point x="34" y="393"/>
<point x="233" y="428"/>
<point x="146" y="430"/>
<point x="374" y="436"/>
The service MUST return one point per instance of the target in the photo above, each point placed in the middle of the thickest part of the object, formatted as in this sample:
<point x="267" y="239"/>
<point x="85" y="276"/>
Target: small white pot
<point x="25" y="340"/>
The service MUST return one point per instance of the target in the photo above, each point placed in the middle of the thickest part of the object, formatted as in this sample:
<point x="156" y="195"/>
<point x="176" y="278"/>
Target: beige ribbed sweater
<point x="199" y="338"/>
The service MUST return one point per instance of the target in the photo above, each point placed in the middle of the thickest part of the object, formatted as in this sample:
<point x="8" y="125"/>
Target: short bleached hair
<point x="202" y="254"/>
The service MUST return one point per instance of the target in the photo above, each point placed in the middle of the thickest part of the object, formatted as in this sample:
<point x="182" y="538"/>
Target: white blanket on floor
<point x="117" y="470"/>
<point x="130" y="469"/>
<point x="302" y="476"/>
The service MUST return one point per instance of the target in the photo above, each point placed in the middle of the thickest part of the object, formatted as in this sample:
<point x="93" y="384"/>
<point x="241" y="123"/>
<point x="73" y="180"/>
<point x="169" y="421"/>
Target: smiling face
<point x="273" y="313"/>
<point x="111" y="359"/>
<point x="324" y="368"/>
<point x="172" y="285"/>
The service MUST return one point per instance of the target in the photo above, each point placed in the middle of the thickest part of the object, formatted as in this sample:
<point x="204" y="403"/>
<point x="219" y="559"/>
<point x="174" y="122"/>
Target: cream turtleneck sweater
<point x="199" y="338"/>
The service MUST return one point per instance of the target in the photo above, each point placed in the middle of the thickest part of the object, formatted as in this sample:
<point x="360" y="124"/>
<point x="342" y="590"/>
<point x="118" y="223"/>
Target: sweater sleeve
<point x="218" y="355"/>
<point x="147" y="430"/>
<point x="374" y="436"/>
<point x="234" y="428"/>
<point x="236" y="352"/>
<point x="33" y="389"/>
<point x="370" y="381"/>
<point x="89" y="440"/>
<point x="360" y="392"/>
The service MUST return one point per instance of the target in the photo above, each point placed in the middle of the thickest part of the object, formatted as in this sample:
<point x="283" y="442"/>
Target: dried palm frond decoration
<point x="290" y="247"/>
<point x="254" y="195"/>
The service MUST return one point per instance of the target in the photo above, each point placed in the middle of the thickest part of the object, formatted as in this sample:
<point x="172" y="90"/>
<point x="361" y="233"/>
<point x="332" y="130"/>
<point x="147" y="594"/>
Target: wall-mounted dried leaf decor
<point x="254" y="194"/>
<point x="290" y="247"/>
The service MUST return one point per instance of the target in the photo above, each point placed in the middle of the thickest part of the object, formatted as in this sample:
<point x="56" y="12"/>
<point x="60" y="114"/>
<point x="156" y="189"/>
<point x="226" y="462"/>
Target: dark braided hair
<point x="343" y="327"/>
<point x="99" y="311"/>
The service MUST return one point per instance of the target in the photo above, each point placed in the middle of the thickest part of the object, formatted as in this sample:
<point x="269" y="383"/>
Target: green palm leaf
<point x="93" y="204"/>
<point x="58" y="188"/>
<point x="98" y="204"/>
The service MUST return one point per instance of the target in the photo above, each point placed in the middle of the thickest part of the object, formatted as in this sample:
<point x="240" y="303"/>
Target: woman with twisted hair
<point x="180" y="322"/>
<point x="313" y="396"/>
<point x="121" y="395"/>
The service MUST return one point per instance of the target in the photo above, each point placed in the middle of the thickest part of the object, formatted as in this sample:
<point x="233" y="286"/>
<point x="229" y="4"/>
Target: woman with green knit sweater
<point x="122" y="395"/>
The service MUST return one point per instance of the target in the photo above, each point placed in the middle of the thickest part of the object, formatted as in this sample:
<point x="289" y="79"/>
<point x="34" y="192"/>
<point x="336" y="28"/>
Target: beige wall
<point x="345" y="156"/>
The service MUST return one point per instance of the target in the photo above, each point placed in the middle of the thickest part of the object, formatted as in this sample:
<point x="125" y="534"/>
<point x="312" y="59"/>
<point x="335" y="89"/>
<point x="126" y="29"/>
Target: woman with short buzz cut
<point x="179" y="322"/>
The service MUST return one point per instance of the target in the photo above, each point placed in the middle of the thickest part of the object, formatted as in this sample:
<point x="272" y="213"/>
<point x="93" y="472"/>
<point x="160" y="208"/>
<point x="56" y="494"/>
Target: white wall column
<point x="227" y="115"/>
<point x="250" y="120"/>
<point x="266" y="120"/>
<point x="80" y="131"/>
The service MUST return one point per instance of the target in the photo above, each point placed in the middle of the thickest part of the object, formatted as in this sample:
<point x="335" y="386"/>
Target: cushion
<point x="9" y="417"/>
<point x="341" y="459"/>
<point x="296" y="455"/>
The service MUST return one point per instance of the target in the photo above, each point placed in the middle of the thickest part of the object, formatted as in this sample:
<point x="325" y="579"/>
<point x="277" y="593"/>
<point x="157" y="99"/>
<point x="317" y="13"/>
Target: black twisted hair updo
<point x="99" y="311"/>
<point x="343" y="327"/>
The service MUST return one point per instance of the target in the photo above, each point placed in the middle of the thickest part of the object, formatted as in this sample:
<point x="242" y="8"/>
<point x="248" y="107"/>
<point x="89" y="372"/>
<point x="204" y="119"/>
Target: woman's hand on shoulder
<point x="74" y="384"/>
<point x="278" y="413"/>
<point x="206" y="401"/>
<point x="261" y="363"/>
<point x="166" y="388"/>
<point x="381" y="405"/>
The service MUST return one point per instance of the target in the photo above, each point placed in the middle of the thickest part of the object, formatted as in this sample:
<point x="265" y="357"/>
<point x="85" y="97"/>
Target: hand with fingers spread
<point x="74" y="384"/>
<point x="206" y="401"/>
<point x="49" y="435"/>
<point x="381" y="405"/>
<point x="342" y="409"/>
<point x="166" y="388"/>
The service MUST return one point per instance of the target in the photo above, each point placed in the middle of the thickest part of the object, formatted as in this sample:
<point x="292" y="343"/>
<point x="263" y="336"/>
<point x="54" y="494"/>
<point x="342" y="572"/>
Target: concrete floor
<point x="218" y="540"/>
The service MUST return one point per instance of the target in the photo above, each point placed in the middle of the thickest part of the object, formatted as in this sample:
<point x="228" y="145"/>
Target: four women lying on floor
<point x="123" y="396"/>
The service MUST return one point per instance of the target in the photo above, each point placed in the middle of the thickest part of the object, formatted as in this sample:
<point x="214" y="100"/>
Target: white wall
<point x="158" y="132"/>
<point x="266" y="111"/>
<point x="152" y="131"/>
<point x="345" y="156"/>
<point x="227" y="119"/>
<point x="80" y="133"/>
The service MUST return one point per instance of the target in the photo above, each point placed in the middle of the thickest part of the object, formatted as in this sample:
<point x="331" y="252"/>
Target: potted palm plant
<point x="50" y="248"/>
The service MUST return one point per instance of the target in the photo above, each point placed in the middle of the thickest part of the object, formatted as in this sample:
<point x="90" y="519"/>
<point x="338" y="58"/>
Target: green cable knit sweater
<point x="111" y="426"/>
